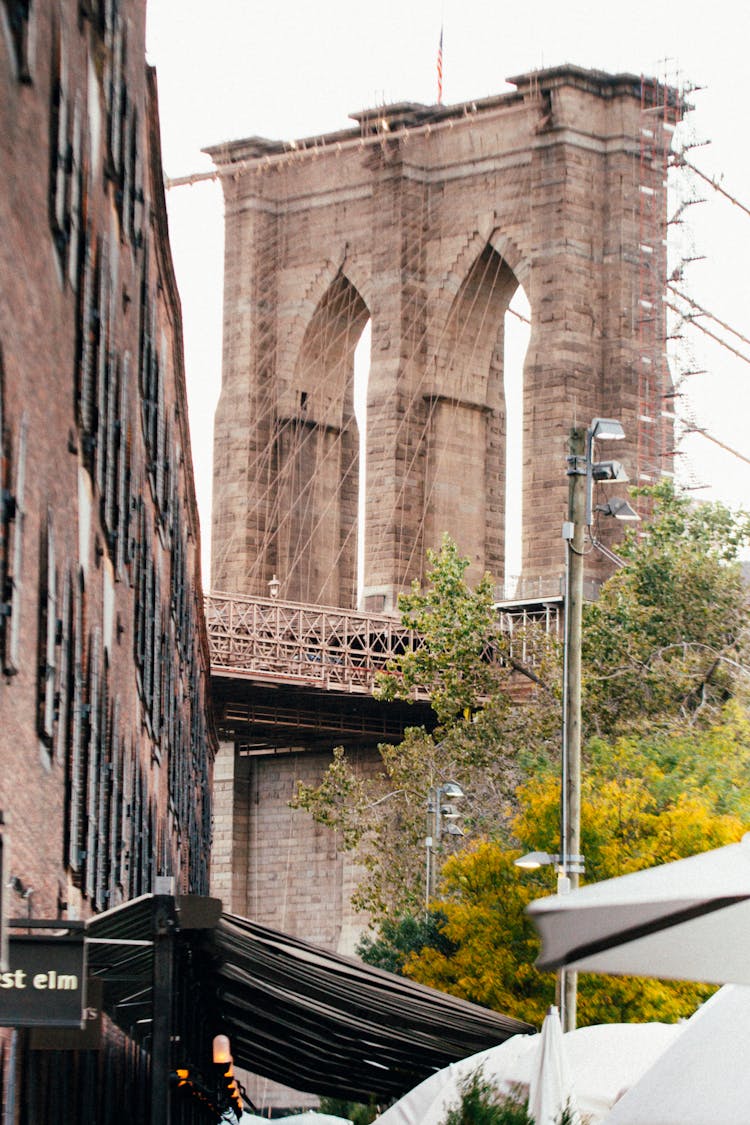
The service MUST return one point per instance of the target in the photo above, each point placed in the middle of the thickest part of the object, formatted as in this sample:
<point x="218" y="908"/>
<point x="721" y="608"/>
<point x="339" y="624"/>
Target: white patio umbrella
<point x="687" y="920"/>
<point x="550" y="1084"/>
<point x="431" y="1099"/>
<point x="313" y="1117"/>
<point x="603" y="1060"/>
<point x="308" y="1117"/>
<point x="703" y="1078"/>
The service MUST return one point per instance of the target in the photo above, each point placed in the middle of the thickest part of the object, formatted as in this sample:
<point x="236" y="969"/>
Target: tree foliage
<point x="639" y="807"/>
<point x="398" y="939"/>
<point x="482" y="742"/>
<point x="666" y="759"/>
<point x="480" y="1103"/>
<point x="666" y="642"/>
<point x="458" y="629"/>
<point x="358" y="1113"/>
<point x="495" y="944"/>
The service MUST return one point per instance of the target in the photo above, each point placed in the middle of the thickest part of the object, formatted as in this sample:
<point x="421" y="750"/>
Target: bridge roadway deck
<point x="287" y="675"/>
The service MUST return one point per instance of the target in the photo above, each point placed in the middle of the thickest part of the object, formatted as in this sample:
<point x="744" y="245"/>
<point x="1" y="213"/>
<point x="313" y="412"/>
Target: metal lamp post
<point x="440" y="821"/>
<point x="583" y="472"/>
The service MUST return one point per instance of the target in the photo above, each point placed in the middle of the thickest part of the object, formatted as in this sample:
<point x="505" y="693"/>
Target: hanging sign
<point x="45" y="982"/>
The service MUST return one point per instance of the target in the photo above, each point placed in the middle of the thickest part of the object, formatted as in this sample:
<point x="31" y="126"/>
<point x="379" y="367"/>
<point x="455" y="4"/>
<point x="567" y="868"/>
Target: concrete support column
<point x="230" y="850"/>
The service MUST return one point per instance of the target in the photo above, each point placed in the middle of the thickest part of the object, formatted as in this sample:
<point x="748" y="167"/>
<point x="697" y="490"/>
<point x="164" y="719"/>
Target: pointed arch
<point x="316" y="454"/>
<point x="466" y="409"/>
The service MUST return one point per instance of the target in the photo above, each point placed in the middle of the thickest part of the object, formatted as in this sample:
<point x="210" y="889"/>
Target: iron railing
<point x="266" y="639"/>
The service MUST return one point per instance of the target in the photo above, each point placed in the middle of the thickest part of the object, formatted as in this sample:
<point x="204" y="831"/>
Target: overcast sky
<point x="288" y="69"/>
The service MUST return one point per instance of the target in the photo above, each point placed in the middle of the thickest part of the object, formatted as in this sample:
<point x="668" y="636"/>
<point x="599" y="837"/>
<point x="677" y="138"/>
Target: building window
<point x="94" y="762"/>
<point x="14" y="515"/>
<point x="64" y="685"/>
<point x="100" y="861"/>
<point x="74" y="779"/>
<point x="6" y="510"/>
<point x="60" y="151"/>
<point x="114" y="835"/>
<point x="17" y="19"/>
<point x="48" y="635"/>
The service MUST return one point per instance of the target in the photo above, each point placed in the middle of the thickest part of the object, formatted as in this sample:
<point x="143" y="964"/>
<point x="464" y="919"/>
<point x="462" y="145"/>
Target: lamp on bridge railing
<point x="274" y="586"/>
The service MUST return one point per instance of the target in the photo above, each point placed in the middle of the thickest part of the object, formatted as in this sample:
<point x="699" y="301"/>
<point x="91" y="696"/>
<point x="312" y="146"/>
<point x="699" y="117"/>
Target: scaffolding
<point x="661" y="110"/>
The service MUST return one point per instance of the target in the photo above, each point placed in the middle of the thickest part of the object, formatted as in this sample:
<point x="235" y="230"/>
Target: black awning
<point x="327" y="1024"/>
<point x="294" y="1013"/>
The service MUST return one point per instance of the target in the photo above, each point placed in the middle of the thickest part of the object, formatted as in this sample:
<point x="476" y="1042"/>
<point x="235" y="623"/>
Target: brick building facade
<point x="106" y="739"/>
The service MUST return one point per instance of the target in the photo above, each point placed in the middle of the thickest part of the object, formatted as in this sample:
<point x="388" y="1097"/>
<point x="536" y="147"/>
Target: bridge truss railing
<point x="336" y="649"/>
<point x="265" y="638"/>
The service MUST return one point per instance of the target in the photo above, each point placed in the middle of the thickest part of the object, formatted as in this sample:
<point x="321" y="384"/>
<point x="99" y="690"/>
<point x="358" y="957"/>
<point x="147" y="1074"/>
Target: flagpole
<point x="440" y="67"/>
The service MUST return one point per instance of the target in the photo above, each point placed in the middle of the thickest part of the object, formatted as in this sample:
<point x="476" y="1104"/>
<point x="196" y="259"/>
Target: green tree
<point x="666" y="642"/>
<point x="666" y="769"/>
<point x="458" y="629"/>
<point x="480" y="1103"/>
<point x="634" y="813"/>
<point x="482" y="741"/>
<point x="358" y="1113"/>
<point x="398" y="939"/>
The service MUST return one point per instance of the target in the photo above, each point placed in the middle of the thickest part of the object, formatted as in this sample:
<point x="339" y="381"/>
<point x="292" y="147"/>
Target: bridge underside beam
<point x="263" y="719"/>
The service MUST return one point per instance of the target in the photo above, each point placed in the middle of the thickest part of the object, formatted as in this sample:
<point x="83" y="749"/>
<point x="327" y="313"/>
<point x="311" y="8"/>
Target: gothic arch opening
<point x="316" y="457"/>
<point x="466" y="420"/>
<point x="362" y="357"/>
<point x="517" y="335"/>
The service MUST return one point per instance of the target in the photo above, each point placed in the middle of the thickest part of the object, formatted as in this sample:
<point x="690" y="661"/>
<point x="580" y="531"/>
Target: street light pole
<point x="570" y="797"/>
<point x="436" y="813"/>
<point x="430" y="842"/>
<point x="583" y="471"/>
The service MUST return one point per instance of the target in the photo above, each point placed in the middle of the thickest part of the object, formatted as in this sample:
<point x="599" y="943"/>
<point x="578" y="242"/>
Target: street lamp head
<point x="606" y="429"/>
<point x="532" y="860"/>
<point x="453" y="829"/>
<point x="609" y="470"/>
<point x="274" y="586"/>
<point x="618" y="508"/>
<point x="449" y="812"/>
<point x="571" y="864"/>
<point x="452" y="790"/>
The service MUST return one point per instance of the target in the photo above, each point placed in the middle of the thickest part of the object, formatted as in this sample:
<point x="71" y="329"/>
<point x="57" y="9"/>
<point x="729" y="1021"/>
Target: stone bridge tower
<point x="425" y="220"/>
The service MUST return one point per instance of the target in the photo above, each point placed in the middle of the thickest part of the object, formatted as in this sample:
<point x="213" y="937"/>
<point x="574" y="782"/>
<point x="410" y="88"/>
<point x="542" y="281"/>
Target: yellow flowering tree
<point x="640" y="806"/>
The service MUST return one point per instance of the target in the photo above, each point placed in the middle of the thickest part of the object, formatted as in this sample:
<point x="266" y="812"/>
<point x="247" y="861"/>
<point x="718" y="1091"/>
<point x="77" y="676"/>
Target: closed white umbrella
<point x="687" y="920"/>
<point x="550" y="1083"/>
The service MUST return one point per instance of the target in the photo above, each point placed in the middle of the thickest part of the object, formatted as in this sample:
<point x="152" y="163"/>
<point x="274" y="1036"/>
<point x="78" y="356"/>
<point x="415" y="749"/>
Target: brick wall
<point x="105" y="730"/>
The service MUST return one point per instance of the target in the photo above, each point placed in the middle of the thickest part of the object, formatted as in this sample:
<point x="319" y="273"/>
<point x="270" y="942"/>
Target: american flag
<point x="440" y="68"/>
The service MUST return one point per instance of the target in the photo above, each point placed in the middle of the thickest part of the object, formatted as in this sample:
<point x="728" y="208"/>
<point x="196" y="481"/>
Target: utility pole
<point x="570" y="843"/>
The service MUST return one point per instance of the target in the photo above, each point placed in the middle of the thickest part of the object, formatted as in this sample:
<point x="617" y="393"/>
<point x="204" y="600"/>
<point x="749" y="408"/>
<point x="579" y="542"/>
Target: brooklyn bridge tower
<point x="425" y="221"/>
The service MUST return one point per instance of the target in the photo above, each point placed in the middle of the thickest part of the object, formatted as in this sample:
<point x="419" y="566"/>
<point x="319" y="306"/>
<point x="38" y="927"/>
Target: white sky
<point x="289" y="69"/>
